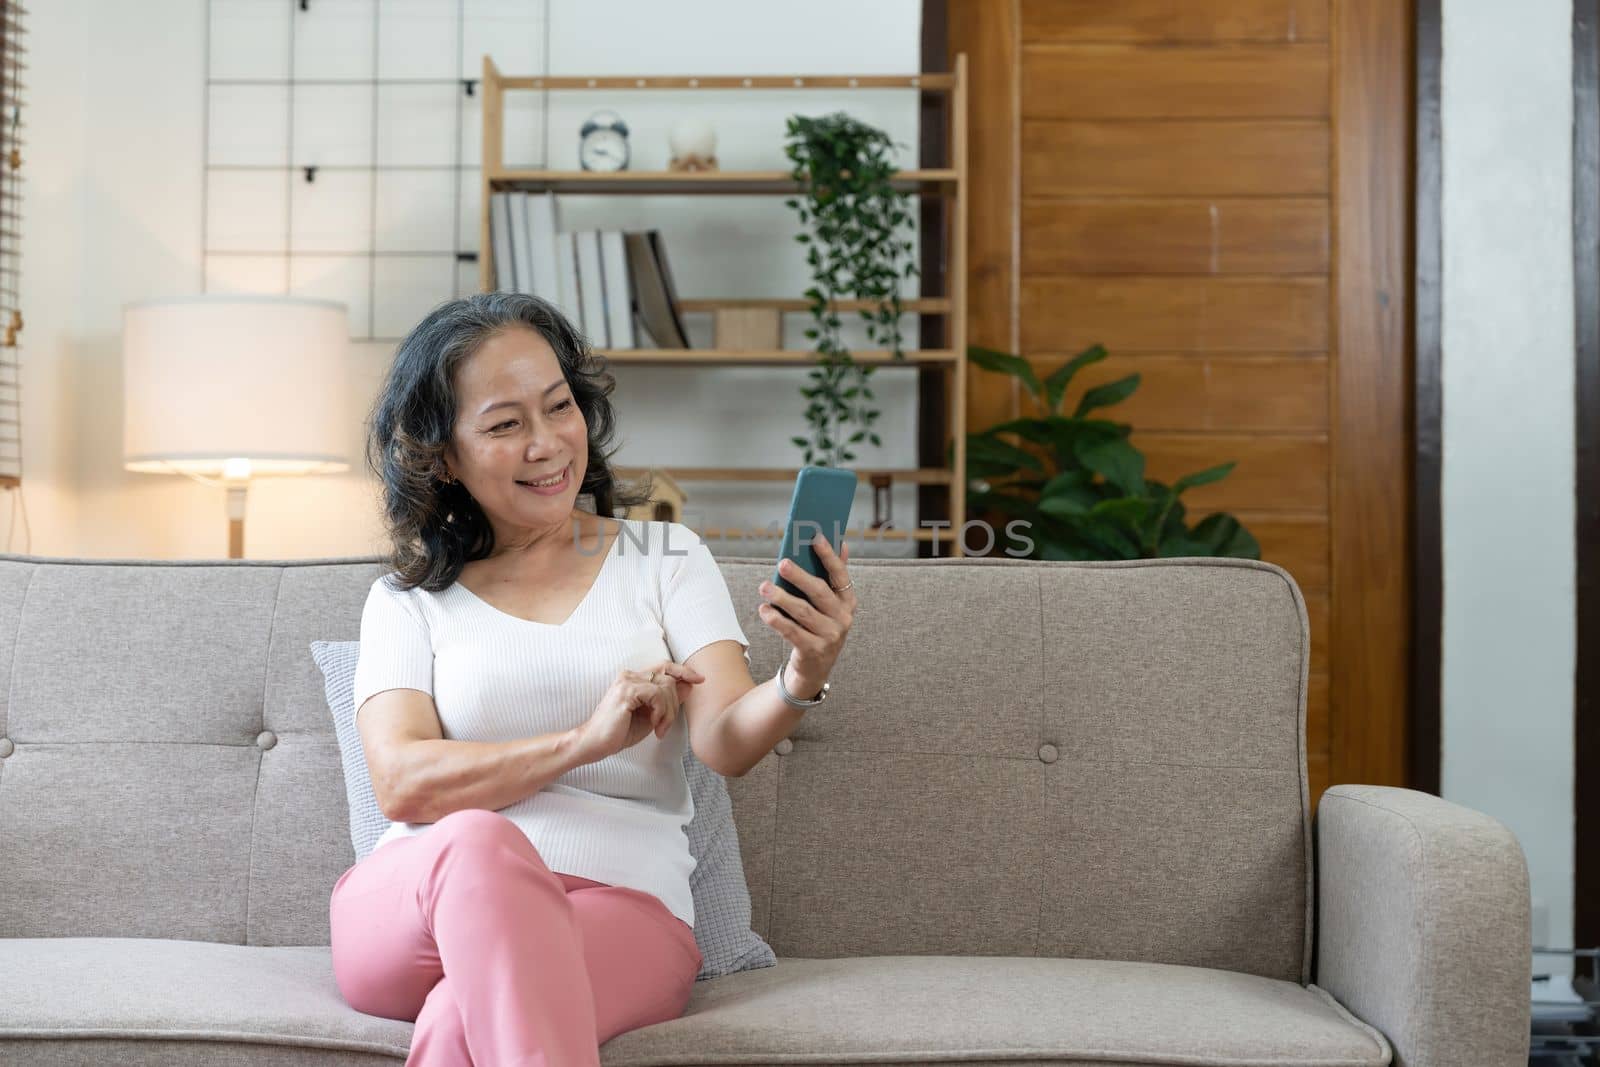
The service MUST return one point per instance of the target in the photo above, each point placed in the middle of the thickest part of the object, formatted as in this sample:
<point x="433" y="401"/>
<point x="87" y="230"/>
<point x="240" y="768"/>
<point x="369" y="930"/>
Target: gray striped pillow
<point x="721" y="895"/>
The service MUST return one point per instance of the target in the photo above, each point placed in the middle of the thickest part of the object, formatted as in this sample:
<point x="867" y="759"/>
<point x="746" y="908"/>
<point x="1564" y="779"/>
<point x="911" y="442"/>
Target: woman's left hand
<point x="817" y="629"/>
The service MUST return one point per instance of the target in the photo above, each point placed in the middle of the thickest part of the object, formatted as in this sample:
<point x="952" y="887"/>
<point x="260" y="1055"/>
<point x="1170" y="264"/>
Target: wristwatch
<point x="797" y="702"/>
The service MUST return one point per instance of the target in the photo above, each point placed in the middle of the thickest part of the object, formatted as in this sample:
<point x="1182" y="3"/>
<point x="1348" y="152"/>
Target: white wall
<point x="1508" y="482"/>
<point x="114" y="215"/>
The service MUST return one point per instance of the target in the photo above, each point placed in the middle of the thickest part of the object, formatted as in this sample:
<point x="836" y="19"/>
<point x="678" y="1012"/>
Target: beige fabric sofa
<point x="1053" y="813"/>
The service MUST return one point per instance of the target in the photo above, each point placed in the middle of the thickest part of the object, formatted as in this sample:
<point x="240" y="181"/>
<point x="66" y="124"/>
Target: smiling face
<point x="517" y="421"/>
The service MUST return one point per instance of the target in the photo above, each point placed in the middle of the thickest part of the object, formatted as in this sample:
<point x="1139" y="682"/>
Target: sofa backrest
<point x="1101" y="760"/>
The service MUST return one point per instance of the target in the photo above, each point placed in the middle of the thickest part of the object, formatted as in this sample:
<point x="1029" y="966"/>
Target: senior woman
<point x="518" y="692"/>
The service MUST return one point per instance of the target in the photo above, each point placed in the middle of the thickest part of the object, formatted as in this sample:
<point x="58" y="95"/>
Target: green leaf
<point x="1056" y="384"/>
<point x="1110" y="536"/>
<point x="1008" y="503"/>
<point x="1126" y="509"/>
<point x="1067" y="481"/>
<point x="1116" y="461"/>
<point x="1005" y="363"/>
<point x="1181" y="546"/>
<point x="1166" y="510"/>
<point x="1223" y="535"/>
<point x="1036" y="430"/>
<point x="1205" y="477"/>
<point x="1068" y="494"/>
<point x="800" y="441"/>
<point x="1063" y="548"/>
<point x="1063" y="506"/>
<point x="1068" y="436"/>
<point x="988" y="450"/>
<point x="1102" y="396"/>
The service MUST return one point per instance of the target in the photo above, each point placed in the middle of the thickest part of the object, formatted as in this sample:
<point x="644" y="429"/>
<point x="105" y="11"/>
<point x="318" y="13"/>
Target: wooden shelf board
<point x="937" y="81"/>
<point x="907" y="476"/>
<point x="796" y="357"/>
<point x="934" y="305"/>
<point x="635" y="182"/>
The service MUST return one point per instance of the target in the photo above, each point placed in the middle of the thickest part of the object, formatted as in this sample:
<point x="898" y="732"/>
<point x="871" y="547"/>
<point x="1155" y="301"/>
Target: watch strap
<point x="796" y="701"/>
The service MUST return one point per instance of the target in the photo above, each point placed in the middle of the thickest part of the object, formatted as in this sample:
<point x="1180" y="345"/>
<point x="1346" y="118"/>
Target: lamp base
<point x="236" y="502"/>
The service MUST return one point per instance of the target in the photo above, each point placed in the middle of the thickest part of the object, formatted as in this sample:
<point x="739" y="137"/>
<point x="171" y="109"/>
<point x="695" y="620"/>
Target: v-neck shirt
<point x="611" y="551"/>
<point x="495" y="677"/>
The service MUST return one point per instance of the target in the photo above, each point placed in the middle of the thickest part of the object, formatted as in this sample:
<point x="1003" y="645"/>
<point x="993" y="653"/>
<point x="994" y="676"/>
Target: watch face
<point x="603" y="150"/>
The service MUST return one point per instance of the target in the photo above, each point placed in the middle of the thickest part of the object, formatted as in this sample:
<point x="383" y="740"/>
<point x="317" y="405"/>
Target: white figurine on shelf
<point x="694" y="145"/>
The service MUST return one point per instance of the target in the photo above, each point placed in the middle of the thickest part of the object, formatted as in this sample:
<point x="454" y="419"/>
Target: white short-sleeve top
<point x="496" y="677"/>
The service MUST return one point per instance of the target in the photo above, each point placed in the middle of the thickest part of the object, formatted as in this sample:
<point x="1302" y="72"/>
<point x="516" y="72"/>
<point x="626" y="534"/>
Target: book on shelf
<point x="505" y="278"/>
<point x="614" y="286"/>
<point x="521" y="255"/>
<point x="566" y="253"/>
<point x="618" y="289"/>
<point x="591" y="288"/>
<point x="542" y="233"/>
<point x="655" y="300"/>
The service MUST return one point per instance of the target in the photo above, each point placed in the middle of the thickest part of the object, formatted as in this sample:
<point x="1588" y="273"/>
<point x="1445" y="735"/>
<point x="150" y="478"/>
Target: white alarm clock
<point x="603" y="142"/>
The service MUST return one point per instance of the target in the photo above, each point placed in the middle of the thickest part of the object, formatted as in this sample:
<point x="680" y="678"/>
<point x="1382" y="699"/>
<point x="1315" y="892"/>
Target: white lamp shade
<point x="236" y="386"/>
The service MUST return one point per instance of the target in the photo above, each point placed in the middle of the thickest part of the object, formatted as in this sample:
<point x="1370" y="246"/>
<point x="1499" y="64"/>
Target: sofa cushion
<point x="337" y="662"/>
<point x="721" y="897"/>
<point x="66" y="999"/>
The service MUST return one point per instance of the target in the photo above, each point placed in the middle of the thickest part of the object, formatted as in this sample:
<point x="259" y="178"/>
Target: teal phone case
<point x="821" y="504"/>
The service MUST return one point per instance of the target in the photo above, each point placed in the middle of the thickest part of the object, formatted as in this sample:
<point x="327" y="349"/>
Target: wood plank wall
<point x="1170" y="169"/>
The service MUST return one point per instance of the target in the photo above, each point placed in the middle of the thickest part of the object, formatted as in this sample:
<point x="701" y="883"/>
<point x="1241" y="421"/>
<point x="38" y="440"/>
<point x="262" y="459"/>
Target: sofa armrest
<point x="1423" y="925"/>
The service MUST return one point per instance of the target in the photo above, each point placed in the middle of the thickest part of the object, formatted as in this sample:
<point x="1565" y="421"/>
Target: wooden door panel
<point x="1160" y="21"/>
<point x="1200" y="391"/>
<point x="1132" y="313"/>
<point x="1268" y="157"/>
<point x="1278" y="472"/>
<point x="1176" y="236"/>
<point x="1120" y="81"/>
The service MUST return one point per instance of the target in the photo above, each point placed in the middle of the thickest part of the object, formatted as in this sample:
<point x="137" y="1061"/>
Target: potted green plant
<point x="1087" y="497"/>
<point x="855" y="226"/>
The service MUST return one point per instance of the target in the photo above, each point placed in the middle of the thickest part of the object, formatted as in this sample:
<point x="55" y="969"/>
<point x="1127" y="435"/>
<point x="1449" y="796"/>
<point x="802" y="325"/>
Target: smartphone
<point x="820" y="504"/>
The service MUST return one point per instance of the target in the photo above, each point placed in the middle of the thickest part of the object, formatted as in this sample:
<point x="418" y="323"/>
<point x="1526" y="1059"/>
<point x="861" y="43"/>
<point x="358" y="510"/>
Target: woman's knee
<point x="481" y="836"/>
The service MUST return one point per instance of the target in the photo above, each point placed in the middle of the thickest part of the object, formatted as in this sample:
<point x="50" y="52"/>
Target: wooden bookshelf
<point x="942" y="81"/>
<point x="675" y="183"/>
<point x="926" y="305"/>
<point x="910" y="476"/>
<point x="949" y="184"/>
<point x="778" y="357"/>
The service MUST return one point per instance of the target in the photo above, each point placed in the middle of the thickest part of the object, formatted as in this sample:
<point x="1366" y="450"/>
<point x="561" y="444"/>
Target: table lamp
<point x="224" y="389"/>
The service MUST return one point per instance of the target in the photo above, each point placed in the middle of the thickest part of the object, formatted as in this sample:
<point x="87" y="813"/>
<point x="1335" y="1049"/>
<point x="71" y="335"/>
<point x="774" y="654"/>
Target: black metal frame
<point x="293" y="169"/>
<point x="1427" y="579"/>
<point x="1586" y="308"/>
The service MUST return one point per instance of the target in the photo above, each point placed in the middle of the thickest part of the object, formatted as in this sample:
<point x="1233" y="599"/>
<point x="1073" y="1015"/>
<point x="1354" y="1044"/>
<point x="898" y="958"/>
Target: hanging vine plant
<point x="856" y="228"/>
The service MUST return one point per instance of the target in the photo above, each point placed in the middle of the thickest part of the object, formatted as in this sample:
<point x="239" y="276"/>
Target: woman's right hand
<point x="633" y="707"/>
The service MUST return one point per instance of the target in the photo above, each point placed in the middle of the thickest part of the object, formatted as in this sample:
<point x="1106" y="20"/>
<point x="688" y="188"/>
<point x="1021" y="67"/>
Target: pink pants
<point x="498" y="959"/>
